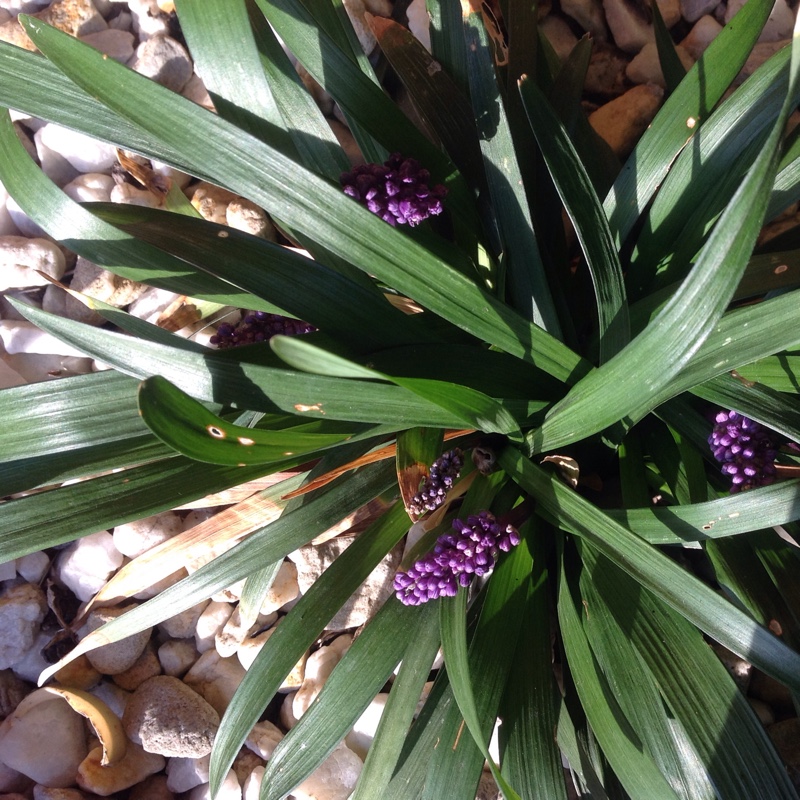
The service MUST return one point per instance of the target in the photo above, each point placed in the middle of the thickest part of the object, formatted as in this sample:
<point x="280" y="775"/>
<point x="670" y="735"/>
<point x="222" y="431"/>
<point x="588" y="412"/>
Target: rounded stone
<point x="117" y="657"/>
<point x="167" y="717"/>
<point x="44" y="739"/>
<point x="164" y="60"/>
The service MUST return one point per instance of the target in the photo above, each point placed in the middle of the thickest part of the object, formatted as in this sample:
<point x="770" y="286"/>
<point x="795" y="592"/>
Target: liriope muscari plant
<point x="561" y="410"/>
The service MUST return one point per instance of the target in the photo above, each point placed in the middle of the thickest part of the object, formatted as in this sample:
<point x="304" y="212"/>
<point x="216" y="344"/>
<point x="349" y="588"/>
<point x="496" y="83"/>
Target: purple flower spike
<point x="397" y="191"/>
<point x="258" y="326"/>
<point x="471" y="550"/>
<point x="745" y="449"/>
<point x="443" y="472"/>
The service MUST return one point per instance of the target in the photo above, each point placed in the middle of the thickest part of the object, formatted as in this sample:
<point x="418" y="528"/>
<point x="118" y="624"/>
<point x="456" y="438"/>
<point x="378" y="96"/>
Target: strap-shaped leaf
<point x="101" y="243"/>
<point x="691" y="102"/>
<point x="472" y="407"/>
<point x="354" y="682"/>
<point x="686" y="594"/>
<point x="531" y="756"/>
<point x="304" y="201"/>
<point x="218" y="378"/>
<point x="627" y="385"/>
<point x="214" y="29"/>
<point x="588" y="218"/>
<point x="633" y="766"/>
<point x="266" y="545"/>
<point x="720" y="727"/>
<point x="297" y="632"/>
<point x="187" y="425"/>
<point x="526" y="280"/>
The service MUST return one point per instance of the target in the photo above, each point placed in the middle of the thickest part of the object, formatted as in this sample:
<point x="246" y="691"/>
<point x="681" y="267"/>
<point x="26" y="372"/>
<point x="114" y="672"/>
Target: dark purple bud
<point x="745" y="448"/>
<point x="397" y="191"/>
<point x="258" y="326"/>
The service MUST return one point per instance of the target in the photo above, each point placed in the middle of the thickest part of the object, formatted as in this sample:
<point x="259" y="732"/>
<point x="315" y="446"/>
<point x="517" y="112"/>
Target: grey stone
<point x="165" y="716"/>
<point x="163" y="60"/>
<point x="114" y="658"/>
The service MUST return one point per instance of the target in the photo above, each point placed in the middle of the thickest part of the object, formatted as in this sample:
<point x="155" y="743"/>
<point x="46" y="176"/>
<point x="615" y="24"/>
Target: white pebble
<point x="134" y="538"/>
<point x="183" y="625"/>
<point x="85" y="153"/>
<point x="87" y="564"/>
<point x="24" y="224"/>
<point x="419" y="22"/>
<point x="7" y="226"/>
<point x="263" y="739"/>
<point x="319" y="666"/>
<point x="184" y="774"/>
<point x="133" y="196"/>
<point x="25" y="337"/>
<point x="44" y="739"/>
<point x="93" y="187"/>
<point x="8" y="571"/>
<point x="22" y="609"/>
<point x="53" y="164"/>
<point x="176" y="656"/>
<point x="360" y="737"/>
<point x="701" y="35"/>
<point x="147" y="19"/>
<point x="228" y="790"/>
<point x="283" y="590"/>
<point x="210" y="622"/>
<point x="22" y="258"/>
<point x="216" y="679"/>
<point x="334" y="779"/>
<point x="33" y="567"/>
<point x="9" y="377"/>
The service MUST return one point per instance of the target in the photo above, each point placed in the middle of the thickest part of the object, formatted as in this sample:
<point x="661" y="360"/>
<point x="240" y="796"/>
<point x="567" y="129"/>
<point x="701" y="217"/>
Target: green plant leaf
<point x="190" y="428"/>
<point x="399" y="711"/>
<point x="298" y="631"/>
<point x="218" y="378"/>
<point x="265" y="545"/>
<point x="474" y="408"/>
<point x="354" y="682"/>
<point x="731" y="746"/>
<point x="626" y="385"/>
<point x="761" y="403"/>
<point x="686" y="594"/>
<point x="305" y="202"/>
<point x="670" y="131"/>
<point x="526" y="279"/>
<point x="85" y="234"/>
<point x="728" y="516"/>
<point x="56" y="517"/>
<point x="238" y="87"/>
<point x="453" y="621"/>
<point x="705" y="174"/>
<point x="622" y="747"/>
<point x="531" y="757"/>
<point x="588" y="218"/>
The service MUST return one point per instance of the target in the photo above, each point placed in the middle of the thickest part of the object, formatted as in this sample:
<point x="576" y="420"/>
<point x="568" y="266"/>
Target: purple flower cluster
<point x="258" y="326"/>
<point x="397" y="190"/>
<point x="443" y="472"/>
<point x="471" y="549"/>
<point x="745" y="449"/>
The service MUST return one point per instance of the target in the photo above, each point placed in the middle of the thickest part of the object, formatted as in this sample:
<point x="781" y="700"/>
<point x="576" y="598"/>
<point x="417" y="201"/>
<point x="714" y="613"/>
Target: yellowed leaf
<point x="105" y="722"/>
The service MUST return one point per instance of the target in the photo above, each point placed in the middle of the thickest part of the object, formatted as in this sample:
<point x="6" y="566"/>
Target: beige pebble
<point x="146" y="666"/>
<point x="132" y="769"/>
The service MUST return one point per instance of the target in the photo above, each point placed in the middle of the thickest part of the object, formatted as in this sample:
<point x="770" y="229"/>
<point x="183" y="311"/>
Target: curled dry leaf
<point x="105" y="722"/>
